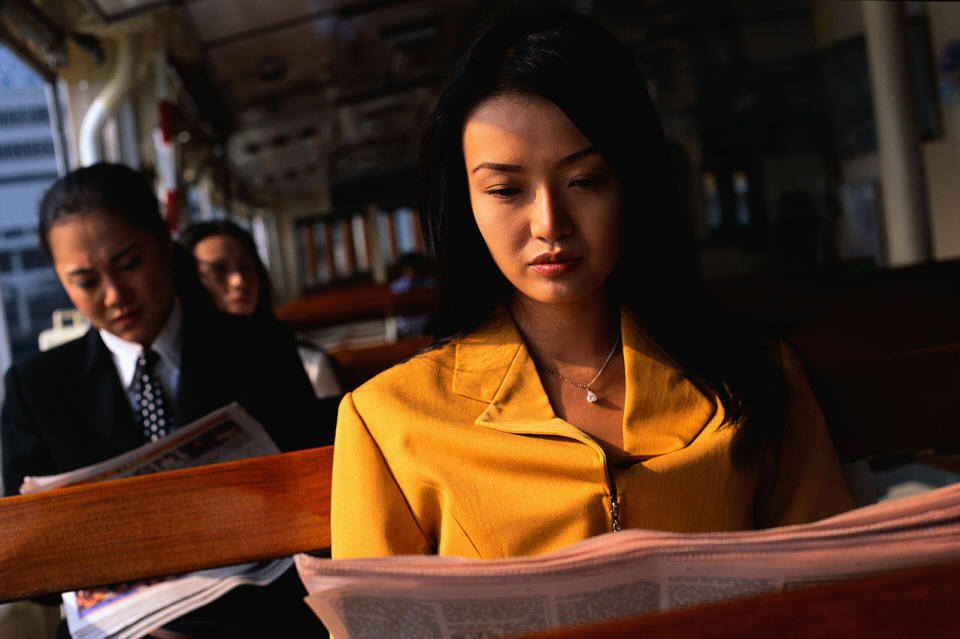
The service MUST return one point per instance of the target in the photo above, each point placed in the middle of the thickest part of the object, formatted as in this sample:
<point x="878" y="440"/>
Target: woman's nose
<point x="549" y="219"/>
<point x="235" y="279"/>
<point x="113" y="293"/>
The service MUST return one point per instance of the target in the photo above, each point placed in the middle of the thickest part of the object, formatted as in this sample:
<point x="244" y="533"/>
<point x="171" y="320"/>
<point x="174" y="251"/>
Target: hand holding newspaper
<point x="129" y="611"/>
<point x="622" y="574"/>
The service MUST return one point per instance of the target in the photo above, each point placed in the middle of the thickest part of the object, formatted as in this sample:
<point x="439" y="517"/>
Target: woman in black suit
<point x="153" y="360"/>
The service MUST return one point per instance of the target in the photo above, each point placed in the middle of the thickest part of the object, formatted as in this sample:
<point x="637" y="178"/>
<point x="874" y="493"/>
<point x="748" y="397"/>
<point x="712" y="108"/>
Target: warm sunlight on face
<point x="117" y="275"/>
<point x="545" y="200"/>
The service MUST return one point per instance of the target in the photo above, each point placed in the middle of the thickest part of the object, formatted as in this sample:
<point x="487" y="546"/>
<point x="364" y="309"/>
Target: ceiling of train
<point x="333" y="90"/>
<point x="322" y="93"/>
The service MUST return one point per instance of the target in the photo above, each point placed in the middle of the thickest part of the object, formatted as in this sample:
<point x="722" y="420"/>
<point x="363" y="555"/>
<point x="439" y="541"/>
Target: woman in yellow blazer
<point x="582" y="383"/>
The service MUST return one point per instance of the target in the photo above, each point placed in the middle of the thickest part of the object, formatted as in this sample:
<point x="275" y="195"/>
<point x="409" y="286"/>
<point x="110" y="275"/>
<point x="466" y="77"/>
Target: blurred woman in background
<point x="229" y="267"/>
<point x="237" y="282"/>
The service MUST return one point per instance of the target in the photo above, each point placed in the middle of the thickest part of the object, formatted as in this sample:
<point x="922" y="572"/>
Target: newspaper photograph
<point x="622" y="574"/>
<point x="227" y="434"/>
<point x="132" y="610"/>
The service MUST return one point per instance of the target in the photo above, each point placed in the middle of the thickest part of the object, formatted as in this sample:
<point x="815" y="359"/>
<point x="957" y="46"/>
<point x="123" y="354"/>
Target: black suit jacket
<point x="65" y="408"/>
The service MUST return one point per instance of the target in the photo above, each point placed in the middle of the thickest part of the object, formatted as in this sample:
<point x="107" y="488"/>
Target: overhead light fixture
<point x="113" y="10"/>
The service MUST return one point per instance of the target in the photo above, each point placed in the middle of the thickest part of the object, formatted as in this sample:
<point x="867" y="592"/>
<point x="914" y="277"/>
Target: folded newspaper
<point x="130" y="611"/>
<point x="622" y="574"/>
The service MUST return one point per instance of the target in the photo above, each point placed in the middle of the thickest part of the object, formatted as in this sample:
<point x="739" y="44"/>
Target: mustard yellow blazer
<point x="458" y="452"/>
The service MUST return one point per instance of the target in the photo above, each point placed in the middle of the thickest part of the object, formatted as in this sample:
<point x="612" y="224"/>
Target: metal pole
<point x="901" y="154"/>
<point x="122" y="80"/>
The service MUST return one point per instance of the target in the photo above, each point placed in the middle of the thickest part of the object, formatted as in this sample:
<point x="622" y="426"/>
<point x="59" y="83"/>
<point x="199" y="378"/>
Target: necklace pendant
<point x="591" y="397"/>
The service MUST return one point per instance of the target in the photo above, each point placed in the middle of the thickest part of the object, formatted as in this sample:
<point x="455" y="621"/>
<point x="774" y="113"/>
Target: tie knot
<point x="148" y="357"/>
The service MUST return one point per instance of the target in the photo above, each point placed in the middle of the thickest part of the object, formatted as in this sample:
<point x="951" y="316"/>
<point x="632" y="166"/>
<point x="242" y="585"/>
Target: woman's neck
<point x="563" y="335"/>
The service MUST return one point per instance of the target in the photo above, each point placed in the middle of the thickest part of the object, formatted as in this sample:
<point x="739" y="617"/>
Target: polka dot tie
<point x="154" y="413"/>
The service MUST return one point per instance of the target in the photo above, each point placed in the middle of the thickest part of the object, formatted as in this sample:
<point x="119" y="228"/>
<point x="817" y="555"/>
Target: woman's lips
<point x="126" y="320"/>
<point x="555" y="264"/>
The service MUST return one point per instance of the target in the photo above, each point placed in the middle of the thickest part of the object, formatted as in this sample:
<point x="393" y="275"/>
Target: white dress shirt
<point x="166" y="344"/>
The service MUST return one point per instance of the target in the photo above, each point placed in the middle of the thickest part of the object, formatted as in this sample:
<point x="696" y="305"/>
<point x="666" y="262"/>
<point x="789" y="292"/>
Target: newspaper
<point x="130" y="611"/>
<point x="622" y="574"/>
<point x="227" y="434"/>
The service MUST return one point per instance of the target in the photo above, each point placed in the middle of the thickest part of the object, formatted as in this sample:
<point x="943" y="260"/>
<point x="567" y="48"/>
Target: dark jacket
<point x="65" y="409"/>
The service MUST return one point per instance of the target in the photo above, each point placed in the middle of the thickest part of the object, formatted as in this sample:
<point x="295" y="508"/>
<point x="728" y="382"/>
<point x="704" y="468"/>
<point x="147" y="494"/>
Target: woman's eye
<point x="588" y="181"/>
<point x="131" y="263"/>
<point x="504" y="192"/>
<point x="86" y="283"/>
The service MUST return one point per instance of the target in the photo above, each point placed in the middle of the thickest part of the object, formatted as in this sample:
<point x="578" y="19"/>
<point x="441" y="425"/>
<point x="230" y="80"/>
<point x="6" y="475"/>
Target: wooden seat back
<point x="165" y="523"/>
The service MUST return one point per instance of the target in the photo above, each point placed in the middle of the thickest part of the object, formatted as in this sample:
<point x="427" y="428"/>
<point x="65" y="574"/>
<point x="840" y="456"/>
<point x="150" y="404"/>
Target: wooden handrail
<point x="165" y="523"/>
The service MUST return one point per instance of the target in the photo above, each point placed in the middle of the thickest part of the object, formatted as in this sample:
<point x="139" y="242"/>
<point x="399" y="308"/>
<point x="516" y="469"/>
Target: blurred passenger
<point x="229" y="267"/>
<point x="412" y="274"/>
<point x="805" y="239"/>
<point x="237" y="282"/>
<point x="83" y="402"/>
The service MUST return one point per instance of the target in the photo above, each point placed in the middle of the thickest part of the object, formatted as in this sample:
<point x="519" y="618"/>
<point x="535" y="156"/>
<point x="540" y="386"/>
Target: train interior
<point x="299" y="120"/>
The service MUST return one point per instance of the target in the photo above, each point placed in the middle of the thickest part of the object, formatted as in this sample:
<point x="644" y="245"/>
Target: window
<point x="30" y="287"/>
<point x="26" y="149"/>
<point x="37" y="114"/>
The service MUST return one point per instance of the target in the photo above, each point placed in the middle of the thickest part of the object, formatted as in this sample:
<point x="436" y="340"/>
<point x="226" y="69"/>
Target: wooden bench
<point x="166" y="523"/>
<point x="354" y="302"/>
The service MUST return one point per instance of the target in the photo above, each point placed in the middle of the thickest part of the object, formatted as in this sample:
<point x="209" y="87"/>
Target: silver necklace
<point x="591" y="395"/>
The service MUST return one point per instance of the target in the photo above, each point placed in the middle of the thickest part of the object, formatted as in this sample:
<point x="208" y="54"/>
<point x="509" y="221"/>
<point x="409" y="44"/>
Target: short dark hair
<point x="196" y="233"/>
<point x="114" y="188"/>
<point x="581" y="67"/>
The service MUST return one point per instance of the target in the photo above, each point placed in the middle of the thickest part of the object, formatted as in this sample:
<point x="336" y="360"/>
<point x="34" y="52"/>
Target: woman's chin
<point x="558" y="293"/>
<point x="238" y="308"/>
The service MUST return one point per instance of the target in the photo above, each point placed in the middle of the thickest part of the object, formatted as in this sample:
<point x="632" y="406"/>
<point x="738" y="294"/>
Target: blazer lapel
<point x="493" y="365"/>
<point x="663" y="410"/>
<point x="102" y="400"/>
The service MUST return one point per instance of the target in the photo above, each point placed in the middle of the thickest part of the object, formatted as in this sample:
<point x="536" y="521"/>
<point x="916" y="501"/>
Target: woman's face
<point x="117" y="275"/>
<point x="545" y="200"/>
<point x="229" y="273"/>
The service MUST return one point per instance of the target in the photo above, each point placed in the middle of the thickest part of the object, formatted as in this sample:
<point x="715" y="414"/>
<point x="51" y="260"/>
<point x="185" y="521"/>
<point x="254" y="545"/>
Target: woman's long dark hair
<point x="579" y="66"/>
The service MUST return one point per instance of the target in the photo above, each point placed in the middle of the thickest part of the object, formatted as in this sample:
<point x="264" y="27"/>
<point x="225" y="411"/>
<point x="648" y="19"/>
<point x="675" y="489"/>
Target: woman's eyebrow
<point x="119" y="255"/>
<point x="582" y="153"/>
<point x="116" y="257"/>
<point x="79" y="272"/>
<point x="495" y="166"/>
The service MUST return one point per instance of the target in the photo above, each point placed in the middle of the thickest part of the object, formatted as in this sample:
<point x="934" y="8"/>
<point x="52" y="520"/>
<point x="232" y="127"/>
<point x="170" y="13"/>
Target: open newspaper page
<point x="129" y="611"/>
<point x="227" y="434"/>
<point x="622" y="574"/>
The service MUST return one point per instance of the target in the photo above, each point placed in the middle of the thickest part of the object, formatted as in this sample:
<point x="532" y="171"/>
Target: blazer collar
<point x="102" y="400"/>
<point x="663" y="410"/>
